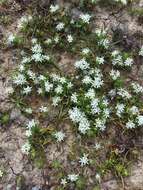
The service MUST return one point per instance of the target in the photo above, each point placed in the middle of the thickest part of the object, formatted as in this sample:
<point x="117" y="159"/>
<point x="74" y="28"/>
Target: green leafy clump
<point x="38" y="140"/>
<point x="4" y="118"/>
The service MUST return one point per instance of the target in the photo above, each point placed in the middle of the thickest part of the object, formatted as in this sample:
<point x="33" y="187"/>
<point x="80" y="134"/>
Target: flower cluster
<point x="121" y="60"/>
<point x="85" y="18"/>
<point x="29" y="126"/>
<point x="26" y="148"/>
<point x="93" y="97"/>
<point x="90" y="108"/>
<point x="54" y="8"/>
<point x="79" y="118"/>
<point x="59" y="136"/>
<point x="102" y="38"/>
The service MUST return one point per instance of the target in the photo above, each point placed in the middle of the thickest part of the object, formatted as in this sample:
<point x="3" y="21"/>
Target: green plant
<point x="4" y="118"/>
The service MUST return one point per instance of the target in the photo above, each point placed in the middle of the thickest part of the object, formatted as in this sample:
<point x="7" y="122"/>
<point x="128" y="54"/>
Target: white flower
<point x="26" y="148"/>
<point x="84" y="125"/>
<point x="114" y="74"/>
<point x="10" y="38"/>
<point x="73" y="177"/>
<point x="46" y="57"/>
<point x="28" y="133"/>
<point x="9" y="90"/>
<point x="112" y="93"/>
<point x="56" y="100"/>
<point x="104" y="42"/>
<point x="37" y="57"/>
<point x="60" y="26"/>
<point x="100" y="60"/>
<point x="69" y="38"/>
<point x="130" y="125"/>
<point x="69" y="85"/>
<point x="76" y="115"/>
<point x="100" y="124"/>
<point x="105" y="101"/>
<point x="36" y="48"/>
<point x="63" y="182"/>
<point x="134" y="110"/>
<point x="19" y="79"/>
<point x="41" y="77"/>
<point x="115" y="53"/>
<point x="140" y="120"/>
<point x="27" y="90"/>
<point x="59" y="136"/>
<point x="94" y="106"/>
<point x="97" y="146"/>
<point x="43" y="109"/>
<point x="31" y="123"/>
<point x="62" y="80"/>
<point x="90" y="94"/>
<point x="40" y="91"/>
<point x="141" y="51"/>
<point x="59" y="89"/>
<point x="82" y="64"/>
<point x="79" y="117"/>
<point x="84" y="160"/>
<point x="28" y="110"/>
<point x="56" y="39"/>
<point x="55" y="77"/>
<point x="36" y="81"/>
<point x="106" y="112"/>
<point x="98" y="177"/>
<point x="31" y="74"/>
<point x="74" y="97"/>
<point x="124" y="93"/>
<point x="85" y="18"/>
<point x="87" y="79"/>
<point x="94" y="1"/>
<point x="117" y="60"/>
<point x="128" y="62"/>
<point x="34" y="40"/>
<point x="48" y="41"/>
<point x="54" y="8"/>
<point x="120" y="109"/>
<point x="100" y="33"/>
<point x="85" y="51"/>
<point x="137" y="88"/>
<point x="21" y="67"/>
<point x="97" y="82"/>
<point x="26" y="60"/>
<point x="124" y="2"/>
<point x="48" y="86"/>
<point x="1" y="173"/>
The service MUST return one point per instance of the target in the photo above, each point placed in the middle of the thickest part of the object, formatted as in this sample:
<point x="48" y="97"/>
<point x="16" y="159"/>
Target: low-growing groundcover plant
<point x="96" y="97"/>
